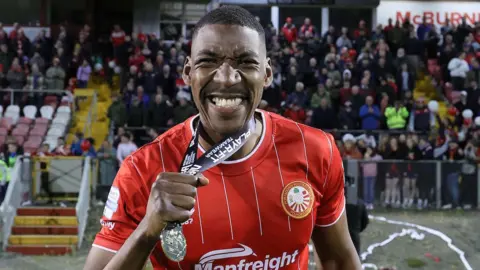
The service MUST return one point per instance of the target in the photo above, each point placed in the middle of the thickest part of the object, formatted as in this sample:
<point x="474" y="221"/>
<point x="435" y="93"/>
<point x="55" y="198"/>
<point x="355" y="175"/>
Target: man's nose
<point x="227" y="76"/>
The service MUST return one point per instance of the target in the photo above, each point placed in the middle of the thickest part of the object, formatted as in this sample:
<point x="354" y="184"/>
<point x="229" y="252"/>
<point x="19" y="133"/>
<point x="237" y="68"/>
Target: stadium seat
<point x="47" y="112"/>
<point x="30" y="111"/>
<point x="13" y="111"/>
<point x="3" y="131"/>
<point x="61" y="119"/>
<point x="24" y="121"/>
<point x="20" y="131"/>
<point x="55" y="131"/>
<point x="6" y="122"/>
<point x="41" y="120"/>
<point x="64" y="109"/>
<point x="38" y="131"/>
<point x="51" y="141"/>
<point x="20" y="140"/>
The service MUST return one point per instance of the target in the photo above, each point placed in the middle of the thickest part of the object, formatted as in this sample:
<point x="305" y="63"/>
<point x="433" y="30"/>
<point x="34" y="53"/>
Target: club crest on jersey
<point x="297" y="199"/>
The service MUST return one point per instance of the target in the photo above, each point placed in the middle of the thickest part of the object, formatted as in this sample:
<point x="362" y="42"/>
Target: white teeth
<point x="223" y="102"/>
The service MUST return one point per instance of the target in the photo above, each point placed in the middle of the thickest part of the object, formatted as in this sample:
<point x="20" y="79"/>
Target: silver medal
<point x="174" y="244"/>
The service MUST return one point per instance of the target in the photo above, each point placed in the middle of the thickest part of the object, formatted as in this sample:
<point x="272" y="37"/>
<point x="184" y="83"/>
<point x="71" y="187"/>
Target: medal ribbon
<point x="215" y="155"/>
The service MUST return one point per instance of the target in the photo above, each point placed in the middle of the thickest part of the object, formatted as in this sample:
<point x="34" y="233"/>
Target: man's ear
<point x="268" y="73"/>
<point x="187" y="67"/>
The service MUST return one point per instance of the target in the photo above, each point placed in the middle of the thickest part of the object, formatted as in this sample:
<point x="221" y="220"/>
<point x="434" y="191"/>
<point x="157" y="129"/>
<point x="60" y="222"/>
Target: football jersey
<point x="257" y="212"/>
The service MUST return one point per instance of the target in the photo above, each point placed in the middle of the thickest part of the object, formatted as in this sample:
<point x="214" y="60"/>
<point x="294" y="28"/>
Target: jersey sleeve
<point x="332" y="204"/>
<point x="123" y="210"/>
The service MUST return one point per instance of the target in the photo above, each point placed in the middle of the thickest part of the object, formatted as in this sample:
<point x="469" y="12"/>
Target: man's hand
<point x="172" y="198"/>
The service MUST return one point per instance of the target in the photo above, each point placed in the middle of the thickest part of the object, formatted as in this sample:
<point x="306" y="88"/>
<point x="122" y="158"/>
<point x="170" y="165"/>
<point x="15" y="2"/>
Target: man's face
<point x="227" y="71"/>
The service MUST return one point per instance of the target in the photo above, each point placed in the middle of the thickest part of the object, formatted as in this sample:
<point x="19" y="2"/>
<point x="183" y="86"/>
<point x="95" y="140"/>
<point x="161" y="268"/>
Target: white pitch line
<point x="414" y="235"/>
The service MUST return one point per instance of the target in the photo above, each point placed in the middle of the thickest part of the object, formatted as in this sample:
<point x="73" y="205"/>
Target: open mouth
<point x="227" y="101"/>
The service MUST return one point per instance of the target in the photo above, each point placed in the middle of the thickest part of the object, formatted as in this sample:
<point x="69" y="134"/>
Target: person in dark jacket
<point x="357" y="217"/>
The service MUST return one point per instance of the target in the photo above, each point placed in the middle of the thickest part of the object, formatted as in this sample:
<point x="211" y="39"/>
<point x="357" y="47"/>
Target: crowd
<point x="356" y="83"/>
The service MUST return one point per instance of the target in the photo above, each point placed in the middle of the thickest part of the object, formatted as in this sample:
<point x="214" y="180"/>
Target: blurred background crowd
<point x="369" y="87"/>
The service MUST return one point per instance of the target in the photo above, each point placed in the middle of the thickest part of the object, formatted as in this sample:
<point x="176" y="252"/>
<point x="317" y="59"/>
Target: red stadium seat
<point x="38" y="131"/>
<point x="3" y="131"/>
<point x="20" y="140"/>
<point x="42" y="120"/>
<point x="25" y="120"/>
<point x="6" y="122"/>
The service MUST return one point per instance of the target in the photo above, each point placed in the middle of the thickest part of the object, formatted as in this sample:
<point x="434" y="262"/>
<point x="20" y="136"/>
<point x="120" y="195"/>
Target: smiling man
<point x="281" y="185"/>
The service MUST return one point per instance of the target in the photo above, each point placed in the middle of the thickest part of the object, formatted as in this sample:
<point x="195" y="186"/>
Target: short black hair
<point x="230" y="15"/>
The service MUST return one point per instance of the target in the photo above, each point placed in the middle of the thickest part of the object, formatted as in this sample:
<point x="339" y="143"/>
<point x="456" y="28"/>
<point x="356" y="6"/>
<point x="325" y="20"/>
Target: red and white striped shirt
<point x="118" y="38"/>
<point x="258" y="212"/>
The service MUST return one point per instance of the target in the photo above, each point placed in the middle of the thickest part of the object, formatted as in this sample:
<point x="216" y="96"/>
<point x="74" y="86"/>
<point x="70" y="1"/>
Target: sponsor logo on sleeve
<point x="107" y="224"/>
<point x="112" y="202"/>
<point x="213" y="260"/>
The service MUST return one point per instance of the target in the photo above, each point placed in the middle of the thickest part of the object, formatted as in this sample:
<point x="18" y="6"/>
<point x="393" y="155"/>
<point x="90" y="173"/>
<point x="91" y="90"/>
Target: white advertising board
<point x="434" y="12"/>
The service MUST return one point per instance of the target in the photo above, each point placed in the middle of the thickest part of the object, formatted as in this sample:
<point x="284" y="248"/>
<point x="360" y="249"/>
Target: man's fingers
<point x="179" y="178"/>
<point x="202" y="181"/>
<point x="177" y="188"/>
<point x="182" y="201"/>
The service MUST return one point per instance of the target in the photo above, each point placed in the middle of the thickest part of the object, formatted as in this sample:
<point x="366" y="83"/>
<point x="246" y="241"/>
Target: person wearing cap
<point x="350" y="149"/>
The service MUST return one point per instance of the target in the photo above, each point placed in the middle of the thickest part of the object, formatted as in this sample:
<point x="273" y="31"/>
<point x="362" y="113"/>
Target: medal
<point x="173" y="241"/>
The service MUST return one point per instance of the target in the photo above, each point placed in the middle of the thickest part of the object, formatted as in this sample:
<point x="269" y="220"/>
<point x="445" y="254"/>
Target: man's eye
<point x="206" y="61"/>
<point x="249" y="62"/>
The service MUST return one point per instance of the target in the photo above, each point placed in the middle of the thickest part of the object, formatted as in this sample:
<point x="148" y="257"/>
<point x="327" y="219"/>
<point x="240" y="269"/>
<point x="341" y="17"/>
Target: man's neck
<point x="210" y="138"/>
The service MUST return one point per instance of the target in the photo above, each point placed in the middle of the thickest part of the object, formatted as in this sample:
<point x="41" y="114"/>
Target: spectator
<point x="369" y="115"/>
<point x="289" y="30"/>
<point x="38" y="60"/>
<point x="56" y="76"/>
<point x="458" y="71"/>
<point x="83" y="74"/>
<point x="183" y="111"/>
<point x="299" y="97"/>
<point x="117" y="112"/>
<point x="348" y="117"/>
<point x="396" y="116"/>
<point x="125" y="148"/>
<point x="369" y="176"/>
<point x="137" y="113"/>
<point x="16" y="76"/>
<point x="324" y="117"/>
<point x="350" y="150"/>
<point x="160" y="112"/>
<point x="75" y="147"/>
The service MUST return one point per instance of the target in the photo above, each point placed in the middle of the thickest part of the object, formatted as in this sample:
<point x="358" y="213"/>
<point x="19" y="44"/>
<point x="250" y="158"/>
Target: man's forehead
<point x="227" y="39"/>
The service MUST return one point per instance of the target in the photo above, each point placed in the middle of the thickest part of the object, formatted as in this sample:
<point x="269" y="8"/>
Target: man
<point x="238" y="219"/>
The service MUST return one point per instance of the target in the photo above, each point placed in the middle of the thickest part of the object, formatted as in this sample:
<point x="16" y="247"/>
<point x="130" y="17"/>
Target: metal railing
<point x="13" y="200"/>
<point x="92" y="112"/>
<point x="83" y="203"/>
<point x="34" y="92"/>
<point x="437" y="184"/>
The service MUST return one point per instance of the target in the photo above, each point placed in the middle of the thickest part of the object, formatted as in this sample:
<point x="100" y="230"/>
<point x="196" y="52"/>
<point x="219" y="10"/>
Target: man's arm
<point x="330" y="235"/>
<point x="132" y="255"/>
<point x="334" y="246"/>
